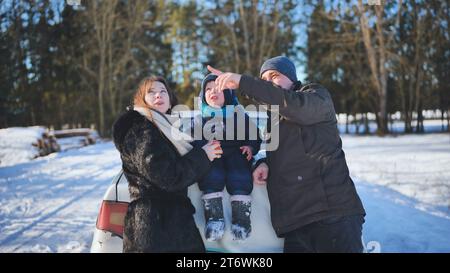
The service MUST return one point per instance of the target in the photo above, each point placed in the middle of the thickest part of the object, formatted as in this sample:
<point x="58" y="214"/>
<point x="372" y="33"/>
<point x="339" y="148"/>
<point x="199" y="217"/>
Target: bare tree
<point x="377" y="58"/>
<point x="254" y="31"/>
<point x="110" y="61"/>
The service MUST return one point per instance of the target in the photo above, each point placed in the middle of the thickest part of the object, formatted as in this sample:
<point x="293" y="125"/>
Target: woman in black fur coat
<point x="159" y="168"/>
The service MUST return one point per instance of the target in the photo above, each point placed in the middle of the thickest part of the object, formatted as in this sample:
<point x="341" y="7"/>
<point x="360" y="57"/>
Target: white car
<point x="110" y="221"/>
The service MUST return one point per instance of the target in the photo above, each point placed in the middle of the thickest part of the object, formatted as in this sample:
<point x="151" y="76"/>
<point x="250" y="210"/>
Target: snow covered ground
<point x="15" y="144"/>
<point x="50" y="204"/>
<point x="404" y="183"/>
<point x="417" y="166"/>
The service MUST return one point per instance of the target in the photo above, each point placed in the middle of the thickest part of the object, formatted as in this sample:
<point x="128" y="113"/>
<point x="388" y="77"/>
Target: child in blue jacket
<point x="233" y="169"/>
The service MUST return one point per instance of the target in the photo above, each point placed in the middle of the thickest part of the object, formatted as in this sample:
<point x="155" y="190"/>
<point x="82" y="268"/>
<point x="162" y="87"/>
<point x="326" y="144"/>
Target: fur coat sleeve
<point x="152" y="160"/>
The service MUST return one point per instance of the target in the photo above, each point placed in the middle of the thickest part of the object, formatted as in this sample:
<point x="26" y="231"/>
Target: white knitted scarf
<point x="170" y="126"/>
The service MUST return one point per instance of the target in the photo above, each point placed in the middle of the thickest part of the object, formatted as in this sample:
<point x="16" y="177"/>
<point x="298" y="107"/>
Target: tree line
<point x="382" y="58"/>
<point x="81" y="64"/>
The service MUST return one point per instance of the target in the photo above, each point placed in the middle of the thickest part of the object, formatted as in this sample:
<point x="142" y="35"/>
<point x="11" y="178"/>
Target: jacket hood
<point x="229" y="96"/>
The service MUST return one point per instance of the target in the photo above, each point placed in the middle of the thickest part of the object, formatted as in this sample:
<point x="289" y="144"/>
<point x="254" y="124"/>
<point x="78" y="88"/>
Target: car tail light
<point x="112" y="217"/>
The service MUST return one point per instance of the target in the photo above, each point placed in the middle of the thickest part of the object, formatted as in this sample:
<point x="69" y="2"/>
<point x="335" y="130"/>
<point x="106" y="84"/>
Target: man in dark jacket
<point x="314" y="203"/>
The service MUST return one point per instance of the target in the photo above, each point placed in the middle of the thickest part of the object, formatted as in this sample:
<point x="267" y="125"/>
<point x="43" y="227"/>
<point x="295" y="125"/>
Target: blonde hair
<point x="145" y="85"/>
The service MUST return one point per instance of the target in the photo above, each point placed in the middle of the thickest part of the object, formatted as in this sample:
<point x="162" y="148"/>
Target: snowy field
<point x="15" y="144"/>
<point x="50" y="204"/>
